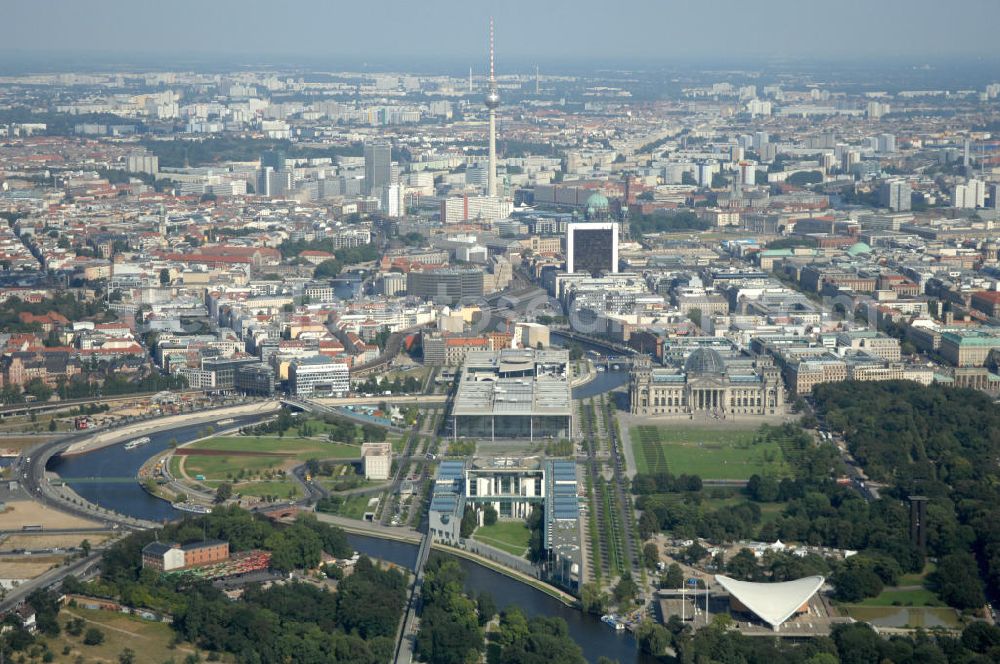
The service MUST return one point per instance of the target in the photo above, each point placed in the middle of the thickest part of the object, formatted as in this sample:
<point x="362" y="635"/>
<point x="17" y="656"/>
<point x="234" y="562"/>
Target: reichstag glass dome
<point x="704" y="361"/>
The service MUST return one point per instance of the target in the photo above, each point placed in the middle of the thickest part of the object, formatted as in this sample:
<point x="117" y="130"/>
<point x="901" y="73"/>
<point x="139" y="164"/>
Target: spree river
<point x="594" y="637"/>
<point x="107" y="476"/>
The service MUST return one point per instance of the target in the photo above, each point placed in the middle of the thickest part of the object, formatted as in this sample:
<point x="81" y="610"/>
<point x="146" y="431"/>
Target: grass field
<point x="509" y="536"/>
<point x="891" y="597"/>
<point x="768" y="511"/>
<point x="301" y="448"/>
<point x="355" y="507"/>
<point x="217" y="467"/>
<point x="279" y="488"/>
<point x="399" y="443"/>
<point x="917" y="579"/>
<point x="719" y="454"/>
<point x="174" y="466"/>
<point x="149" y="640"/>
<point x="220" y="467"/>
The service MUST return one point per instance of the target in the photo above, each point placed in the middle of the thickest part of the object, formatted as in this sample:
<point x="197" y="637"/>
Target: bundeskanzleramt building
<point x="705" y="385"/>
<point x="514" y="394"/>
<point x="513" y="486"/>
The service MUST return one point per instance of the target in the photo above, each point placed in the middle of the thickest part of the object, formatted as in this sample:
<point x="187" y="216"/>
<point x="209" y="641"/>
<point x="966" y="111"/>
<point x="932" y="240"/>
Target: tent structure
<point x="774" y="603"/>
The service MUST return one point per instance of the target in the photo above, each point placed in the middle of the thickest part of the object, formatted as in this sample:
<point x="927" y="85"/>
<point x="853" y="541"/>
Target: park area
<point x="717" y="454"/>
<point x="150" y="641"/>
<point x="911" y="603"/>
<point x="509" y="536"/>
<point x="255" y="465"/>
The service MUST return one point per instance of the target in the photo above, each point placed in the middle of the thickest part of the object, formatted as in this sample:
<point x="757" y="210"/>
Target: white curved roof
<point x="774" y="603"/>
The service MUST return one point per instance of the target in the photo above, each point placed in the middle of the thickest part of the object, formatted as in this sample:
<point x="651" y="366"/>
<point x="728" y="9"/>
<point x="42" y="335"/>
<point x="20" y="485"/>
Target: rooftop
<point x="774" y="603"/>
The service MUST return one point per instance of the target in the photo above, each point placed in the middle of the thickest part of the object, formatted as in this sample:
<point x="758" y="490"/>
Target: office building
<point x="391" y="283"/>
<point x="273" y="159"/>
<point x="389" y="202"/>
<point x="376" y="460"/>
<point x="970" y="195"/>
<point x="143" y="163"/>
<point x="254" y="379"/>
<point x="706" y="172"/>
<point x="895" y="195"/>
<point x="514" y="394"/>
<point x="458" y="209"/>
<point x="225" y="369"/>
<point x="886" y="143"/>
<point x="445" y="286"/>
<point x="592" y="248"/>
<point x="318" y="375"/>
<point x="378" y="167"/>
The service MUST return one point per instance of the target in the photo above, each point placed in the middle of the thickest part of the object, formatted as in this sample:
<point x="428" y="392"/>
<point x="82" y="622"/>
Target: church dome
<point x="858" y="248"/>
<point x="704" y="361"/>
<point x="597" y="201"/>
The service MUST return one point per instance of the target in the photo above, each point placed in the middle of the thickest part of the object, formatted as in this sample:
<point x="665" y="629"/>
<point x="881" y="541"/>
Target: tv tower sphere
<point x="492" y="99"/>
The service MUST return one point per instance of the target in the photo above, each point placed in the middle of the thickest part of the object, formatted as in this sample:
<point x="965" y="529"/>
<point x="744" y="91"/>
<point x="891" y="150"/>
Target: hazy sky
<point x="455" y="30"/>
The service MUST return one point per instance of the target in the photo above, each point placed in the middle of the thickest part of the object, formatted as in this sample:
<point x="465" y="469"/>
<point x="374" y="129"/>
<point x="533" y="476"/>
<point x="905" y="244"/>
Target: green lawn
<point x="509" y="536"/>
<point x="768" y="511"/>
<point x="723" y="454"/>
<point x="217" y="467"/>
<point x="890" y="597"/>
<point x="917" y="579"/>
<point x="301" y="448"/>
<point x="175" y="466"/>
<point x="151" y="641"/>
<point x="355" y="507"/>
<point x="279" y="488"/>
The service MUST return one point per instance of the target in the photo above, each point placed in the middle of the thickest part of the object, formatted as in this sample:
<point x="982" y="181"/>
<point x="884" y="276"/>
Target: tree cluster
<point x="934" y="441"/>
<point x="450" y="631"/>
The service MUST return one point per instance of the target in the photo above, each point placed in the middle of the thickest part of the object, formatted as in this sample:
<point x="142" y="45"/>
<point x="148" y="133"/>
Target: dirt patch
<point x="29" y="513"/>
<point x="187" y="451"/>
<point x="61" y="541"/>
<point x="27" y="567"/>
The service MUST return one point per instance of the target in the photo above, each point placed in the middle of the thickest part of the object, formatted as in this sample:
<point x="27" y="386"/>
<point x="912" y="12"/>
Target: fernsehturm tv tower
<point x="492" y="102"/>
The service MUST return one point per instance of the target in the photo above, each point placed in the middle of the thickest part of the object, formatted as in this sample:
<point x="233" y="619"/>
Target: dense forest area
<point x="938" y="442"/>
<point x="641" y="225"/>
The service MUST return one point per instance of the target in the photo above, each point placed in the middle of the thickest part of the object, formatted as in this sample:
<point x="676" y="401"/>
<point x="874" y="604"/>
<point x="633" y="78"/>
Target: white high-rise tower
<point x="492" y="102"/>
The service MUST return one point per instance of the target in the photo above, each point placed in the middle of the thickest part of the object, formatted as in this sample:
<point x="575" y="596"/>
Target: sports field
<point x="717" y="454"/>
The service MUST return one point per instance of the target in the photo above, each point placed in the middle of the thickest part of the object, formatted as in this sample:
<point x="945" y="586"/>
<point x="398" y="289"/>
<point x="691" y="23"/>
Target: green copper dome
<point x="597" y="201"/>
<point x="859" y="248"/>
